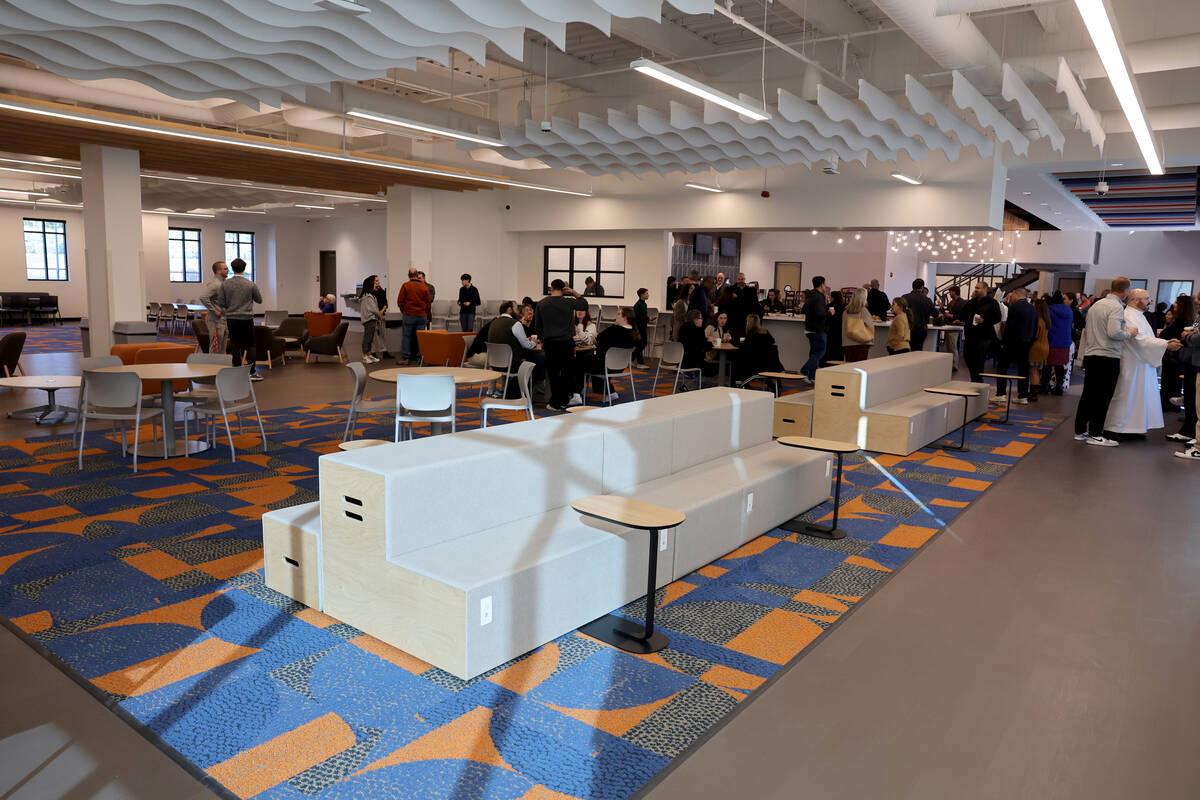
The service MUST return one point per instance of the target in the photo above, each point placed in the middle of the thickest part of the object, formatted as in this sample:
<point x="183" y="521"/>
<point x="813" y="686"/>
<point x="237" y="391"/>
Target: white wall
<point x="360" y="242"/>
<point x="647" y="260"/>
<point x="72" y="294"/>
<point x="852" y="263"/>
<point x="469" y="236"/>
<point x="1153" y="255"/>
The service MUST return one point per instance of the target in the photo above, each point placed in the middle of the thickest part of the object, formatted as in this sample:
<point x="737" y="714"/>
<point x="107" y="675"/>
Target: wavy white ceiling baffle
<point x="923" y="102"/>
<point x="839" y="109"/>
<point x="805" y="137"/>
<point x="795" y="109"/>
<point x="1089" y="120"/>
<point x="760" y="140"/>
<point x="967" y="97"/>
<point x="266" y="51"/>
<point x="885" y="109"/>
<point x="1014" y="89"/>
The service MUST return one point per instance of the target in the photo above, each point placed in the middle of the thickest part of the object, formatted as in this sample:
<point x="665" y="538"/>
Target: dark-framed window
<point x="240" y="244"/>
<point x="1168" y="290"/>
<point x="183" y="254"/>
<point x="604" y="263"/>
<point x="46" y="250"/>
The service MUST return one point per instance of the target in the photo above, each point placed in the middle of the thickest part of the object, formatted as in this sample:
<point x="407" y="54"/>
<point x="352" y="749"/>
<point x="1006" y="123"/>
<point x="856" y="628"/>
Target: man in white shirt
<point x="216" y="315"/>
<point x="1107" y="329"/>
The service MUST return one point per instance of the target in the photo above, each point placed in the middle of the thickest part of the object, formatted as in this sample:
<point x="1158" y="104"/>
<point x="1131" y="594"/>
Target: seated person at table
<point x="620" y="334"/>
<point x="772" y="305"/>
<point x="695" y="345"/>
<point x="901" y="327"/>
<point x="526" y="318"/>
<point x="585" y="329"/>
<point x="476" y="355"/>
<point x="327" y="304"/>
<point x="508" y="329"/>
<point x="718" y="329"/>
<point x="757" y="352"/>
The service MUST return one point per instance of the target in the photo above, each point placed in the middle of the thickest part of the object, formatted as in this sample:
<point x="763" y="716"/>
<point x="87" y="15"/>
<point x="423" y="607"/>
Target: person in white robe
<point x="1136" y="406"/>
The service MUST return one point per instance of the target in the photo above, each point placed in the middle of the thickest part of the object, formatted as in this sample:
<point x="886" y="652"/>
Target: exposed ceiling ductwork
<point x="952" y="41"/>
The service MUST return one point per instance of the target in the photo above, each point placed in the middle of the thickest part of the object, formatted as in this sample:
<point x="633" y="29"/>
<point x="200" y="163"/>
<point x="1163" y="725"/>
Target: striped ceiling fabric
<point x="1136" y="199"/>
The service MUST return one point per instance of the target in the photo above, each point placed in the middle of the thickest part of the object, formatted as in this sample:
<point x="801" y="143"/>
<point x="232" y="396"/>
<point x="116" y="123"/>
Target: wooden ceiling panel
<point x="33" y="133"/>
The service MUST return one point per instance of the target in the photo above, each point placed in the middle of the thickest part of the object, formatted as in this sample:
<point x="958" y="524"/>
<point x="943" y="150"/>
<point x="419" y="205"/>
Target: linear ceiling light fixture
<point x="1098" y="19"/>
<point x="681" y="81"/>
<point x="38" y="163"/>
<point x="175" y="133"/>
<point x="704" y="188"/>
<point x="900" y="176"/>
<point x="425" y="127"/>
<point x="39" y="172"/>
<point x="177" y="213"/>
<point x="24" y="192"/>
<point x="244" y="211"/>
<point x="322" y="208"/>
<point x="39" y="204"/>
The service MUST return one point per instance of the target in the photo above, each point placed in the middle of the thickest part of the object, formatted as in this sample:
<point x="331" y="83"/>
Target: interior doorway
<point x="328" y="276"/>
<point x="787" y="276"/>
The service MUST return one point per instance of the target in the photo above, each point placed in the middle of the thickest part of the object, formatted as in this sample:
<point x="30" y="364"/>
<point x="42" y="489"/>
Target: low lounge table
<point x="624" y="511"/>
<point x="780" y="377"/>
<point x="964" y="394"/>
<point x="47" y="383"/>
<point x="839" y="449"/>
<point x="1010" y="382"/>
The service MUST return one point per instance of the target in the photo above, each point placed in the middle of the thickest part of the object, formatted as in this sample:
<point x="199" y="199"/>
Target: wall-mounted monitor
<point x="729" y="246"/>
<point x="704" y="244"/>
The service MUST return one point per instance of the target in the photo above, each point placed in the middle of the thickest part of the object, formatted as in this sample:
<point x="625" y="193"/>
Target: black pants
<point x="241" y="340"/>
<point x="560" y="369"/>
<point x="1189" y="403"/>
<point x="1013" y="353"/>
<point x="639" y="349"/>
<point x="975" y="352"/>
<point x="1099" y="384"/>
<point x="916" y="339"/>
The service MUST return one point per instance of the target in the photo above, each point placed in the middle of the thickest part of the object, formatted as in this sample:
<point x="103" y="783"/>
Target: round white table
<point x="47" y="383"/>
<point x="166" y="375"/>
<point x="463" y="376"/>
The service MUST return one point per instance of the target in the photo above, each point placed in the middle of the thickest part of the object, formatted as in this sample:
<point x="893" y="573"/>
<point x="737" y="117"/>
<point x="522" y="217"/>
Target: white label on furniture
<point x="485" y="610"/>
<point x="828" y="469"/>
<point x="663" y="538"/>
<point x="749" y="502"/>
<point x="911" y="425"/>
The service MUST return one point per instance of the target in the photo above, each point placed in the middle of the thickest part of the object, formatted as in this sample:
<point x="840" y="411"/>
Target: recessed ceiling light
<point x="814" y="233"/>
<point x="1043" y="204"/>
<point x="1027" y="193"/>
<point x="1118" y="163"/>
<point x="840" y="240"/>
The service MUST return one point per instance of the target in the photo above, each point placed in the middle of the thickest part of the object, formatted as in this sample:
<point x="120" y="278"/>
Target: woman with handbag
<point x="858" y="328"/>
<point x="1039" y="351"/>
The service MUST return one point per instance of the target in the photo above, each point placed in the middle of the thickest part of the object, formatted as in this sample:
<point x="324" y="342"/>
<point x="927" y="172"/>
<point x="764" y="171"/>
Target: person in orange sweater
<point x="416" y="307"/>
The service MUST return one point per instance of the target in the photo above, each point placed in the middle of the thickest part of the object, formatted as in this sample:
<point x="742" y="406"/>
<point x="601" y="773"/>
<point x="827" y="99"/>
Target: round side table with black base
<point x="629" y="513"/>
<point x="1011" y="382"/>
<point x="839" y="449"/>
<point x="966" y="395"/>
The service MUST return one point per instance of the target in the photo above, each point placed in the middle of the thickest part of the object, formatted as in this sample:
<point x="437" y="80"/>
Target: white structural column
<point x="409" y="235"/>
<point x="112" y="230"/>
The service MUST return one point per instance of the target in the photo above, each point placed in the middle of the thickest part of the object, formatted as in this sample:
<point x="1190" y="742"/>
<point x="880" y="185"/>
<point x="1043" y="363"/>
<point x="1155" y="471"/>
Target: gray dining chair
<point x="359" y="404"/>
<point x="424" y="398"/>
<point x="523" y="403"/>
<point x="235" y="394"/>
<point x="117" y="397"/>
<point x="618" y="363"/>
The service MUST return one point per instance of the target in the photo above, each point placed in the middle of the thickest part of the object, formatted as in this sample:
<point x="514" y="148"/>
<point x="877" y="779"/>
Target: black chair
<point x="203" y="334"/>
<point x="10" y="353"/>
<point x="328" y="345"/>
<point x="267" y="347"/>
<point x="48" y="308"/>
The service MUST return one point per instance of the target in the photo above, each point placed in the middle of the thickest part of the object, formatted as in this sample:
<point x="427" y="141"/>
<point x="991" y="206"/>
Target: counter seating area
<point x="29" y="308"/>
<point x="468" y="586"/>
<point x="882" y="403"/>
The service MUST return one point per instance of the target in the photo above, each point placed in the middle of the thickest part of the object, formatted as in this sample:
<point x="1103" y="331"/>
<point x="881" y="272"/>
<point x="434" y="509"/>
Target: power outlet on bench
<point x="485" y="610"/>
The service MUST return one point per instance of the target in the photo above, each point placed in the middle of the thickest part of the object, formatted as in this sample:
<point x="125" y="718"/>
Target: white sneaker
<point x="575" y="400"/>
<point x="1081" y="437"/>
<point x="1180" y="437"/>
<point x="1191" y="454"/>
<point x="612" y="398"/>
<point x="1102" y="441"/>
<point x="1020" y="401"/>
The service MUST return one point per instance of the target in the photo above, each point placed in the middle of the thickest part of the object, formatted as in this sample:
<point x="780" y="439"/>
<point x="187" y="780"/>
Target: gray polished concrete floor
<point x="1044" y="646"/>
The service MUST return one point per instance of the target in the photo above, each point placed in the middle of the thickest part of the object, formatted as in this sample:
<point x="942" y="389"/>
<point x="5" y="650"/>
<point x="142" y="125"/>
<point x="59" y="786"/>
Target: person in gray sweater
<point x="236" y="299"/>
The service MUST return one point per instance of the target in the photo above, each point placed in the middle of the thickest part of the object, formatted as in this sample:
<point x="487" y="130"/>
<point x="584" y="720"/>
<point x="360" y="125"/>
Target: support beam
<point x="112" y="230"/>
<point x="663" y="38"/>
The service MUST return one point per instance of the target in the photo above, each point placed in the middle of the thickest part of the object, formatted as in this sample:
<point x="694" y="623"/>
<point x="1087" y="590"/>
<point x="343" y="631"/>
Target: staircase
<point x="986" y="272"/>
<point x="1020" y="280"/>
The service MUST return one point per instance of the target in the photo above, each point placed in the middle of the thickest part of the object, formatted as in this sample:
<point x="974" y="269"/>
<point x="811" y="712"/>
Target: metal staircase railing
<point x="989" y="272"/>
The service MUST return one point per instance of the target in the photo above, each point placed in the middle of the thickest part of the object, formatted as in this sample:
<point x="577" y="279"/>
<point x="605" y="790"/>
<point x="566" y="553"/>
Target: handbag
<point x="1040" y="350"/>
<point x="857" y="330"/>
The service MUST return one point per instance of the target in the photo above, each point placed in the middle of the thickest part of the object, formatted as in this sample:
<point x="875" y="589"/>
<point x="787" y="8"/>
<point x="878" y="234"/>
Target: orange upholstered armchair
<point x="441" y="348"/>
<point x="321" y="324"/>
<point x="154" y="353"/>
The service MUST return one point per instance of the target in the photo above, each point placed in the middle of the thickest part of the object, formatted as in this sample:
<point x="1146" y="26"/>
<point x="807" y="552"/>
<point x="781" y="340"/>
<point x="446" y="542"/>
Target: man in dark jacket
<point x="922" y="309"/>
<point x="816" y="314"/>
<point x="1190" y="357"/>
<point x="979" y="316"/>
<point x="554" y="322"/>
<point x="742" y="302"/>
<point x="1017" y="335"/>
<point x="878" y="304"/>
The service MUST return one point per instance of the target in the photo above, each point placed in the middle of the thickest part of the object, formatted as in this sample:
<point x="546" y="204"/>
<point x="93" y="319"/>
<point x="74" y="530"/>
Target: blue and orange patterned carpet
<point x="150" y="587"/>
<point x="65" y="338"/>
